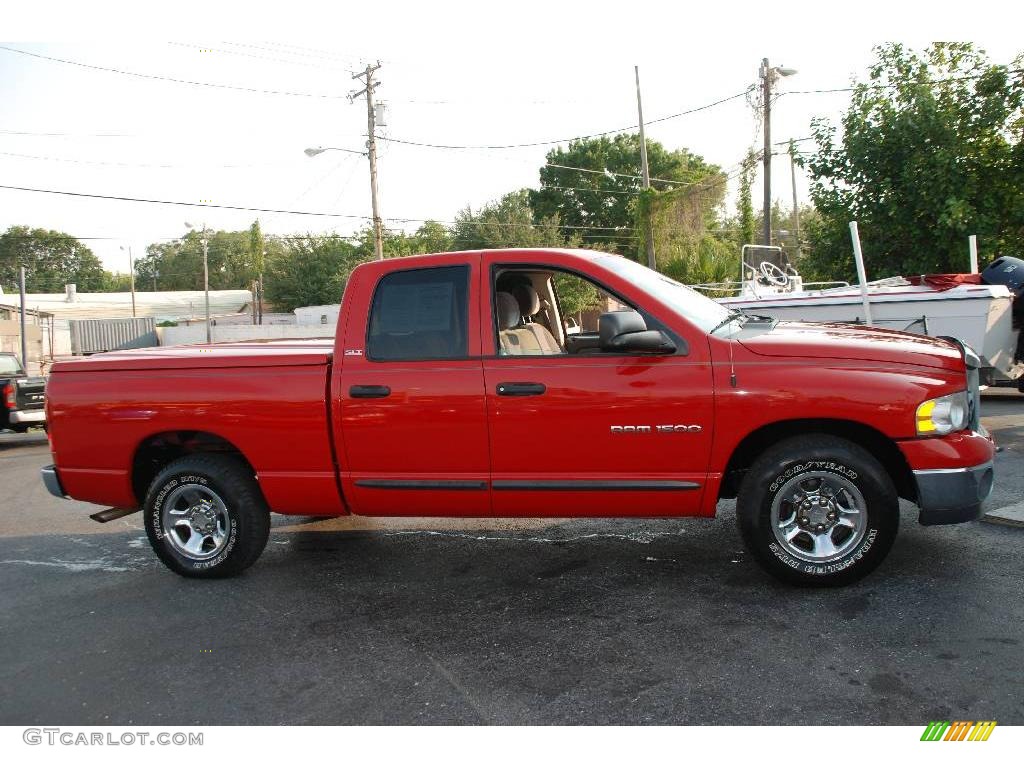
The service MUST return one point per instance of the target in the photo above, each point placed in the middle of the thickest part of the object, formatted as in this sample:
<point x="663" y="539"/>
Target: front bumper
<point x="27" y="417"/>
<point x="952" y="495"/>
<point x="52" y="481"/>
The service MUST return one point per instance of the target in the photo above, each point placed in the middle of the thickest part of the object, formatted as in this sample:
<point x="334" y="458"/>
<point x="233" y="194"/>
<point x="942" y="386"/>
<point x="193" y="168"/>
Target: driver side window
<point x="549" y="312"/>
<point x="582" y="303"/>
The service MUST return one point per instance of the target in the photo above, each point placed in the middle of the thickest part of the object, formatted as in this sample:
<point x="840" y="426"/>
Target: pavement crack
<point x="460" y="689"/>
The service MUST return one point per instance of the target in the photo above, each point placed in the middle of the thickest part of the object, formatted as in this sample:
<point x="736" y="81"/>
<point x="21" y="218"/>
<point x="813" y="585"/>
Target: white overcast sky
<point x="452" y="73"/>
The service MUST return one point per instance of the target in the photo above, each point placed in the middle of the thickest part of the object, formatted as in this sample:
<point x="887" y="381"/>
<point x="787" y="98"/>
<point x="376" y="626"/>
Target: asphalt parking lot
<point x="502" y="622"/>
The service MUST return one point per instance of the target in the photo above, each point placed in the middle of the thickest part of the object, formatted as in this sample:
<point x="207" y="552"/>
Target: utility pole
<point x="766" y="83"/>
<point x="796" y="206"/>
<point x="259" y="302"/>
<point x="206" y="283"/>
<point x="371" y="144"/>
<point x="646" y="176"/>
<point x="206" y="276"/>
<point x="768" y="75"/>
<point x="131" y="273"/>
<point x="24" y="341"/>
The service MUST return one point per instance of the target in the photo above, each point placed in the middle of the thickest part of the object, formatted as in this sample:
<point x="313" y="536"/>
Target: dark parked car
<point x="23" y="401"/>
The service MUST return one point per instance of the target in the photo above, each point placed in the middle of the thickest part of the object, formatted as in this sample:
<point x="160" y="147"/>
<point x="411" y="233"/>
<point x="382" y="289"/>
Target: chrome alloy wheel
<point x="195" y="521"/>
<point x="819" y="516"/>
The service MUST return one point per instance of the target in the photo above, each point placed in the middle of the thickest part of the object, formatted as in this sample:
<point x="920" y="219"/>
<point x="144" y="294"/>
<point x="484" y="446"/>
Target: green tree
<point x="575" y="295"/>
<point x="747" y="224"/>
<point x="178" y="264"/>
<point x="930" y="153"/>
<point x="311" y="270"/>
<point x="51" y="259"/>
<point x="509" y="222"/>
<point x="256" y="249"/>
<point x="116" y="282"/>
<point x="431" y="237"/>
<point x="603" y="204"/>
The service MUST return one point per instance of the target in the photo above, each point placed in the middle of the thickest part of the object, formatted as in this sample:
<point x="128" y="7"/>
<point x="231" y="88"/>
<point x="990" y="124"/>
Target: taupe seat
<point x="513" y="340"/>
<point x="529" y="306"/>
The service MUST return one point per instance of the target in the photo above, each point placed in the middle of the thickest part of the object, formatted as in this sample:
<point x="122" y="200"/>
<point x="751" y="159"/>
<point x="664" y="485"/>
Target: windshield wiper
<point x="733" y="315"/>
<point x="757" y="318"/>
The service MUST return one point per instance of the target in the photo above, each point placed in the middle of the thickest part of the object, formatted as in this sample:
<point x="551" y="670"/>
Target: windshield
<point x="9" y="365"/>
<point x="695" y="307"/>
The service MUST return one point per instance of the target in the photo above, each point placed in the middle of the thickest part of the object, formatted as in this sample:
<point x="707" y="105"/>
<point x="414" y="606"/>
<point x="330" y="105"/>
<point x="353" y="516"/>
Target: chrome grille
<point x="973" y="365"/>
<point x="974" y="397"/>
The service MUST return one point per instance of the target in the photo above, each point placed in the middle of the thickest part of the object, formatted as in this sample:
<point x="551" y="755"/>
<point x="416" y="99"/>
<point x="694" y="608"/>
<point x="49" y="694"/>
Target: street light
<point x="314" y="151"/>
<point x="131" y="273"/>
<point x="768" y="76"/>
<point x="371" y="153"/>
<point x="206" y="278"/>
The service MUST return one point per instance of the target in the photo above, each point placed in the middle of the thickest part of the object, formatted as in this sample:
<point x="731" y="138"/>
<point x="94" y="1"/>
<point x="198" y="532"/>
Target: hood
<point x="850" y="342"/>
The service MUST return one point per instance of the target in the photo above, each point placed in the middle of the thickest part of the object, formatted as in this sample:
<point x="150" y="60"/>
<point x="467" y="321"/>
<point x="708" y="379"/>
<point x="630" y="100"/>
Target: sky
<point x="451" y="73"/>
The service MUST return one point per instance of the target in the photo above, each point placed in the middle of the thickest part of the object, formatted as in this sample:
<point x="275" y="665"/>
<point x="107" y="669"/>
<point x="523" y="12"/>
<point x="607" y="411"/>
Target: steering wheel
<point x="773" y="274"/>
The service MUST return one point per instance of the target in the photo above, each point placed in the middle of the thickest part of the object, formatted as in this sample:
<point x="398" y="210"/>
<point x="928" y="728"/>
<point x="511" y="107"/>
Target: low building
<point x="55" y="313"/>
<point x="323" y="314"/>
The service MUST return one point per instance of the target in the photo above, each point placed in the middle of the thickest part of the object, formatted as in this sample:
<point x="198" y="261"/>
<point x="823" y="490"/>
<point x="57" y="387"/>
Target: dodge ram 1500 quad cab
<point x="452" y="388"/>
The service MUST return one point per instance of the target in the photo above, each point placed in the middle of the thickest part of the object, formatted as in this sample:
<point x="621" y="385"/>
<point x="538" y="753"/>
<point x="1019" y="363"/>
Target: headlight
<point x="943" y="415"/>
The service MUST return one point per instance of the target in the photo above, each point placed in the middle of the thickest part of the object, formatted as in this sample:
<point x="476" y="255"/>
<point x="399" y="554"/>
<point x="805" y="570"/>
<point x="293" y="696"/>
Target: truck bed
<point x="239" y="354"/>
<point x="267" y="400"/>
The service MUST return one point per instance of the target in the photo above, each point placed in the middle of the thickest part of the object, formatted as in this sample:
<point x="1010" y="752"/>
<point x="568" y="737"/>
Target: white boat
<point x="979" y="313"/>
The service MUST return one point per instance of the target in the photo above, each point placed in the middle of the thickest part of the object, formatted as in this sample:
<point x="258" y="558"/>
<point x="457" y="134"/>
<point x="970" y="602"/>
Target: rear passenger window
<point x="420" y="314"/>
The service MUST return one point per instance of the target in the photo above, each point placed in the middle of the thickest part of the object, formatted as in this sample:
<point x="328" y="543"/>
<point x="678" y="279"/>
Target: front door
<point x="413" y="429"/>
<point x="578" y="432"/>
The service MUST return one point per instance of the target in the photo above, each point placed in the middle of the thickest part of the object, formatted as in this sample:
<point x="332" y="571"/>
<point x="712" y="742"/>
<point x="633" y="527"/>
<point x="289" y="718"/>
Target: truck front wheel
<point x="818" y="510"/>
<point x="206" y="517"/>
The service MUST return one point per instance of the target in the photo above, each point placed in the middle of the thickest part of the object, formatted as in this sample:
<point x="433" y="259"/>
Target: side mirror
<point x="626" y="332"/>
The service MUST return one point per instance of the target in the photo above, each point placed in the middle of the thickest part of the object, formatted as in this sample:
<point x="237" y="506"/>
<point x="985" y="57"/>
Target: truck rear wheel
<point x="206" y="517"/>
<point x="818" y="510"/>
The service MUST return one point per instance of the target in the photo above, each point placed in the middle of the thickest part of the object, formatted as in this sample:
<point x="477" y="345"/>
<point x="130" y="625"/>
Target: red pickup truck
<point x="455" y="388"/>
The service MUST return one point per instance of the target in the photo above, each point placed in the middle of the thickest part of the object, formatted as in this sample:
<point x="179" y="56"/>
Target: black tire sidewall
<point x="794" y="457"/>
<point x="242" y="519"/>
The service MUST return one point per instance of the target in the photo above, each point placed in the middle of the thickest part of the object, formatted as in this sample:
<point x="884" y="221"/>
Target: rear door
<point x="410" y="417"/>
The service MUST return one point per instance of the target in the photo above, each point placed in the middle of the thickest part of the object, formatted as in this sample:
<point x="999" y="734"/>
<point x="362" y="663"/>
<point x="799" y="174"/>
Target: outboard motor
<point x="1009" y="271"/>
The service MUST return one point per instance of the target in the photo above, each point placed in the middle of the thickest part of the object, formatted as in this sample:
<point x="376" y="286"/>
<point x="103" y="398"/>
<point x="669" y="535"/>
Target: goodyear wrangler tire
<point x="206" y="517"/>
<point x="818" y="510"/>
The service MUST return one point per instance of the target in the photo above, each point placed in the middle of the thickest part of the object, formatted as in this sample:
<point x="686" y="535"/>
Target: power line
<point x="202" y="48"/>
<point x="167" y="79"/>
<point x="571" y="138"/>
<point x="608" y="173"/>
<point x="190" y="205"/>
<point x="298" y="50"/>
<point x="131" y="165"/>
<point x="396" y="219"/>
<point x="590" y="189"/>
<point x="937" y="81"/>
<point x="77" y="135"/>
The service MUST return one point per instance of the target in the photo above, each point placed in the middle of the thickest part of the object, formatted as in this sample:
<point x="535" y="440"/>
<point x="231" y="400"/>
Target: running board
<point x="112" y="514"/>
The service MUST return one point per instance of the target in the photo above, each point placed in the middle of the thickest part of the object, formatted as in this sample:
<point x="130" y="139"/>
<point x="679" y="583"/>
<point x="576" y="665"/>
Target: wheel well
<point x="157" y="451"/>
<point x="883" y="448"/>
